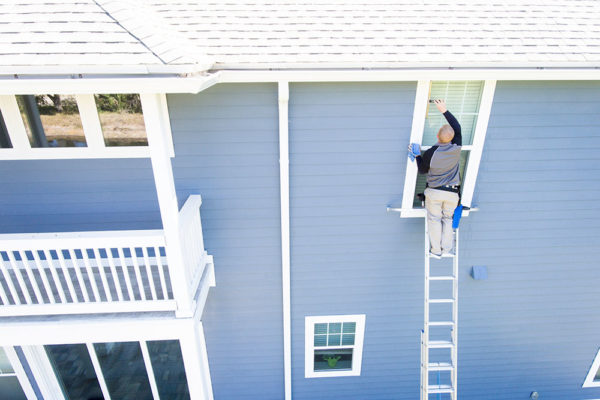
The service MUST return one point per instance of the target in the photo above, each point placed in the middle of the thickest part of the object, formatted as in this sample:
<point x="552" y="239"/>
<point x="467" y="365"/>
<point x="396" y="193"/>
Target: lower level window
<point x="333" y="345"/>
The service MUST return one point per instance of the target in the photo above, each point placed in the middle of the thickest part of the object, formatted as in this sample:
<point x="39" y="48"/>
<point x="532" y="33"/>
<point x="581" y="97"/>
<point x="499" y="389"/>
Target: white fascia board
<point x="139" y="69"/>
<point x="125" y="84"/>
<point x="80" y="330"/>
<point x="398" y="75"/>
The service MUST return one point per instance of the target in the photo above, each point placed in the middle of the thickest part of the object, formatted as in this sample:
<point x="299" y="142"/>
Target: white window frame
<point x="19" y="372"/>
<point x="309" y="340"/>
<point x="475" y="150"/>
<point x="22" y="150"/>
<point x="589" y="379"/>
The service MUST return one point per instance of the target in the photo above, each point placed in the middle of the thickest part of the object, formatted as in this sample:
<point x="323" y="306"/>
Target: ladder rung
<point x="440" y="344"/>
<point x="440" y="366"/>
<point x="441" y="323"/>
<point x="441" y="300"/>
<point x="442" y="278"/>
<point x="439" y="389"/>
<point x="447" y="255"/>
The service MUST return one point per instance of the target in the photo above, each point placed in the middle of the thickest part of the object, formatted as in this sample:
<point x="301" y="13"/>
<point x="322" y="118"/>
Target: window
<point x="593" y="377"/>
<point x="470" y="102"/>
<point x="52" y="120"/>
<point x="121" y="119"/>
<point x="121" y="370"/>
<point x="333" y="345"/>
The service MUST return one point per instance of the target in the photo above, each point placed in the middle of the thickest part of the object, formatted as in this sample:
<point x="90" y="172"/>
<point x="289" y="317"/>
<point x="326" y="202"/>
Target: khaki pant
<point x="440" y="207"/>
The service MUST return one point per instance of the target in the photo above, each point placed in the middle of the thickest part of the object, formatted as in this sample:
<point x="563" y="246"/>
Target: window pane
<point x="169" y="372"/>
<point x="320" y="340"/>
<point x="124" y="370"/>
<point x="326" y="360"/>
<point x="348" y="339"/>
<point x="349" y="327"/>
<point x="121" y="119"/>
<point x="422" y="179"/>
<point x="4" y="138"/>
<point x="334" y="340"/>
<point x="10" y="388"/>
<point x="321" y="328"/>
<point x="52" y="120"/>
<point x="335" y="328"/>
<point x="5" y="367"/>
<point x="462" y="99"/>
<point x="74" y="369"/>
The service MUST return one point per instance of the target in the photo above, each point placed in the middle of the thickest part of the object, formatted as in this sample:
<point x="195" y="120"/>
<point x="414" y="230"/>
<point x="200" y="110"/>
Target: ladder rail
<point x="427" y="388"/>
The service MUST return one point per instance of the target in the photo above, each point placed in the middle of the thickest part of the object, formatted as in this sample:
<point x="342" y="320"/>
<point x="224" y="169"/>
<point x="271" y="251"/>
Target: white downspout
<point x="284" y="185"/>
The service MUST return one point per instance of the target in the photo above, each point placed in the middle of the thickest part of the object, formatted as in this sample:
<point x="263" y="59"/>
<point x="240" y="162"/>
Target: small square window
<point x="334" y="345"/>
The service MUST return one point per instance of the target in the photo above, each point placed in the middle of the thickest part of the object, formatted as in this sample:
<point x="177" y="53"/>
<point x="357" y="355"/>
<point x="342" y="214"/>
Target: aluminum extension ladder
<point x="439" y="337"/>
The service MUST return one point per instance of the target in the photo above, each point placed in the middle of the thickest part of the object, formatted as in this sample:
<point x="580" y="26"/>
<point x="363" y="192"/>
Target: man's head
<point x="445" y="134"/>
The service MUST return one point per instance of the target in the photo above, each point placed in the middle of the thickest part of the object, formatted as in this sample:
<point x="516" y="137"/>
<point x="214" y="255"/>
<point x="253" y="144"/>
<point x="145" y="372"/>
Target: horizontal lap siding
<point x="533" y="324"/>
<point x="349" y="256"/>
<point x="77" y="195"/>
<point x="226" y="146"/>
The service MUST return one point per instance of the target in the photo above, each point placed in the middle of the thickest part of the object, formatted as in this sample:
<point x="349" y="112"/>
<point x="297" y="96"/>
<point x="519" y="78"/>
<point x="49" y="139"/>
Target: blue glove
<point x="414" y="150"/>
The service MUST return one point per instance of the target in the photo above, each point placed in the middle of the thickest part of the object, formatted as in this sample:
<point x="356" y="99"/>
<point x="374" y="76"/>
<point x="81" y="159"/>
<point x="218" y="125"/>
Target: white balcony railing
<point x="98" y="272"/>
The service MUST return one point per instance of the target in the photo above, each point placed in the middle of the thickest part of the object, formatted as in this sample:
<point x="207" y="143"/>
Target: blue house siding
<point x="349" y="256"/>
<point x="226" y="146"/>
<point x="533" y="325"/>
<point x="77" y="195"/>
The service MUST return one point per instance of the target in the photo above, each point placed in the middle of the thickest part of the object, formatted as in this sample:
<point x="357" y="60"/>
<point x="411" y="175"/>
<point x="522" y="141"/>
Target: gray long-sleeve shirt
<point x="441" y="162"/>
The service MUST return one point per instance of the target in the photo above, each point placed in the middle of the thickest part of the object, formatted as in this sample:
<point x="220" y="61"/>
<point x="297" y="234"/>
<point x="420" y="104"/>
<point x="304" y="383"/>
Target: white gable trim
<point x="589" y="379"/>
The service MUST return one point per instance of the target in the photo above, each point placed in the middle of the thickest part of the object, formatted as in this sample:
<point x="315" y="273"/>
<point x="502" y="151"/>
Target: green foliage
<point x="129" y="103"/>
<point x="53" y="103"/>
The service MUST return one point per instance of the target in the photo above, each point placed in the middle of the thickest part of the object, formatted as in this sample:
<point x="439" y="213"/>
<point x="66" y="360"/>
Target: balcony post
<point x="156" y="129"/>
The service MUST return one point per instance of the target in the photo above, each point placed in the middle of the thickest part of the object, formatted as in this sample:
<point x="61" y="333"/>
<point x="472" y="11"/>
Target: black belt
<point x="448" y="188"/>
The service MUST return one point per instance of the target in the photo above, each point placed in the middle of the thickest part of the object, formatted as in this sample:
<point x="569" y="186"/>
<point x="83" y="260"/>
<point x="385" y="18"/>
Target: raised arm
<point x="441" y="106"/>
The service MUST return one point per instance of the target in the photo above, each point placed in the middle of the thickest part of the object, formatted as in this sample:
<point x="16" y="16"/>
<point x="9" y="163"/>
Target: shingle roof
<point x="300" y="34"/>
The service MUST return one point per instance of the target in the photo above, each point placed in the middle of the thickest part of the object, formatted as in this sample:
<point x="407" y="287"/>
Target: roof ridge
<point x="154" y="33"/>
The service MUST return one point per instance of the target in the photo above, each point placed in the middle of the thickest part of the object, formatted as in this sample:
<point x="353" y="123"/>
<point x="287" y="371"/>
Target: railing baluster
<point x="149" y="272"/>
<point x="40" y="267"/>
<point x="115" y="275"/>
<point x="66" y="274"/>
<point x="80" y="279"/>
<point x="161" y="273"/>
<point x="90" y="272"/>
<point x="3" y="296"/>
<point x="22" y="284"/>
<point x="32" y="280"/>
<point x="137" y="273"/>
<point x="125" y="268"/>
<point x="103" y="275"/>
<point x="9" y="281"/>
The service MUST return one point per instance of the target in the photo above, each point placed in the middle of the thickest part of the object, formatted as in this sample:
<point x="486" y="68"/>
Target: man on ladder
<point x="441" y="164"/>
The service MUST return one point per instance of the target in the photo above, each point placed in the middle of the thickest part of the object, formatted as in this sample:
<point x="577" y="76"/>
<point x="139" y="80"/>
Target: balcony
<point x="106" y="271"/>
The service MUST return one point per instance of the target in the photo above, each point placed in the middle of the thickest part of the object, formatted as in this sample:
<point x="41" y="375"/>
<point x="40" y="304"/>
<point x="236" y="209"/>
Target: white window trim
<point x="92" y="129"/>
<point x="309" y="340"/>
<point x="19" y="372"/>
<point x="475" y="150"/>
<point x="589" y="379"/>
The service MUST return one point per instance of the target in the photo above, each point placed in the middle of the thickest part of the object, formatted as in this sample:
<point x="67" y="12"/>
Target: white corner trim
<point x="589" y="379"/>
<point x="15" y="363"/>
<point x="309" y="348"/>
<point x="284" y="184"/>
<point x="416" y="136"/>
<point x="483" y="117"/>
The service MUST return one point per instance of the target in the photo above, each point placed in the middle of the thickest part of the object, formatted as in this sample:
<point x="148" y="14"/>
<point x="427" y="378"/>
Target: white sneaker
<point x="436" y="256"/>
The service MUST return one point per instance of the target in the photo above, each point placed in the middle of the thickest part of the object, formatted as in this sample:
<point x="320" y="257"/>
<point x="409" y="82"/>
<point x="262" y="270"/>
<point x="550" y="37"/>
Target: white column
<point x="14" y="123"/>
<point x="167" y="200"/>
<point x="43" y="372"/>
<point x="195" y="361"/>
<point x="284" y="185"/>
